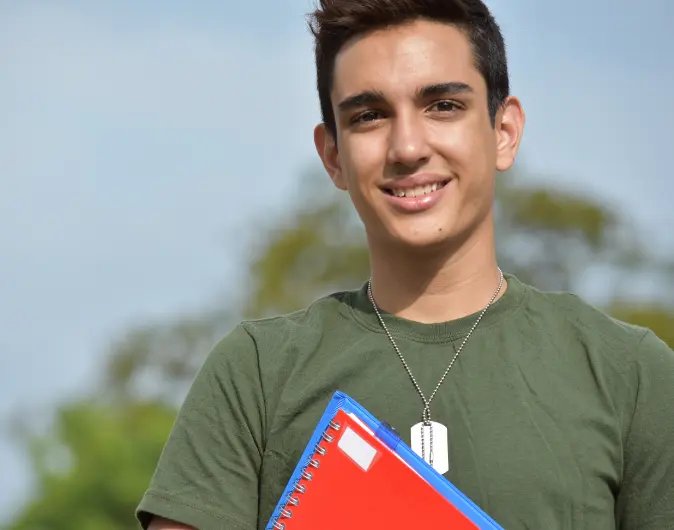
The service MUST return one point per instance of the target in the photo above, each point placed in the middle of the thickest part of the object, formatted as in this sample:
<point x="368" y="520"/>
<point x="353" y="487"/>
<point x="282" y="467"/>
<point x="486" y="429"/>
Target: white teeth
<point x="418" y="191"/>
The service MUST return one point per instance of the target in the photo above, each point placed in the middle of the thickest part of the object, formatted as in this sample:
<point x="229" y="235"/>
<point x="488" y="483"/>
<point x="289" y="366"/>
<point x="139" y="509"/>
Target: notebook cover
<point x="369" y="478"/>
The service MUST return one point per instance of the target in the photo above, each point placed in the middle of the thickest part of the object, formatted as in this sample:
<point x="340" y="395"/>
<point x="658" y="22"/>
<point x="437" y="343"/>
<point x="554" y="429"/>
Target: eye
<point x="445" y="106"/>
<point x="369" y="115"/>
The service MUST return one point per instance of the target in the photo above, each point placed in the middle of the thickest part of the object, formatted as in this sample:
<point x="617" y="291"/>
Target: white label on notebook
<point x="361" y="452"/>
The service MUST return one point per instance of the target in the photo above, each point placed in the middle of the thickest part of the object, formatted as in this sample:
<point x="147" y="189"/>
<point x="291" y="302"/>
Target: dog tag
<point x="439" y="459"/>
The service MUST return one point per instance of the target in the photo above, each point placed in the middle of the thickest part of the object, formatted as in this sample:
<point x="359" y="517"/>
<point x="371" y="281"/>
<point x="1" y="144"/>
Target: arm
<point x="208" y="474"/>
<point x="646" y="497"/>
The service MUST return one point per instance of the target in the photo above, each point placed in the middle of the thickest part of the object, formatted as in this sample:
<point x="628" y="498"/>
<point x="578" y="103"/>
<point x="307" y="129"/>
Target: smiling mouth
<point x="417" y="191"/>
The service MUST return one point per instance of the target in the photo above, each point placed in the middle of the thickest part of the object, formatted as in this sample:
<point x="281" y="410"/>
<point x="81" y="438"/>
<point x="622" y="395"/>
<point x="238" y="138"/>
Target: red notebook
<point x="356" y="474"/>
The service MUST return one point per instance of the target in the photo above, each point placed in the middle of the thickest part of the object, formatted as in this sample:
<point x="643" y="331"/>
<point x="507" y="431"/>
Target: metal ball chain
<point x="426" y="414"/>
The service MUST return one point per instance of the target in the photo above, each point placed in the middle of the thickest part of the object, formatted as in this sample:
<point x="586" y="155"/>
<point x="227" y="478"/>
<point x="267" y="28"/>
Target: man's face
<point x="416" y="149"/>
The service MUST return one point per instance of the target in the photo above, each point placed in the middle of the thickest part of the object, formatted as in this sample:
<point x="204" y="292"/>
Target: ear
<point x="326" y="147"/>
<point x="509" y="128"/>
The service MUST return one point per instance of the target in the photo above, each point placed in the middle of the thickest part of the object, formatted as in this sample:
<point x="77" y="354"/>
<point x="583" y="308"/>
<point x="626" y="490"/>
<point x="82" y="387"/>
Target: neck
<point x="435" y="287"/>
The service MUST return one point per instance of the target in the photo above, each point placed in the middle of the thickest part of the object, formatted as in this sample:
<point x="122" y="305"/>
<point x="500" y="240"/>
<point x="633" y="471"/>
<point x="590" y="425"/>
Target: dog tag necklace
<point x="440" y="460"/>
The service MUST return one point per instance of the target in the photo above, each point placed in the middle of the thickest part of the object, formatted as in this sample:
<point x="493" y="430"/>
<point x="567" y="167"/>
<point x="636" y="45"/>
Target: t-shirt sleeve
<point x="207" y="475"/>
<point x="646" y="497"/>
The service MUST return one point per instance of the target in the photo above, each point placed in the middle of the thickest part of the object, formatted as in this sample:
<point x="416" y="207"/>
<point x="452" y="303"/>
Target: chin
<point x="426" y="240"/>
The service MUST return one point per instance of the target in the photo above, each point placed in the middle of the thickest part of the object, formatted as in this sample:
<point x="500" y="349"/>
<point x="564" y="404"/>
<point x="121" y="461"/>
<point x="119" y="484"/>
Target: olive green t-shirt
<point x="559" y="417"/>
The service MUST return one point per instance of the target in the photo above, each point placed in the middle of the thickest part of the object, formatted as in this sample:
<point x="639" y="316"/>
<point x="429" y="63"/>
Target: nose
<point x="408" y="145"/>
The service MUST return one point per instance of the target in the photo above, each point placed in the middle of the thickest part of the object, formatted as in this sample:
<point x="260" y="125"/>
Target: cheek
<point x="469" y="145"/>
<point x="471" y="153"/>
<point x="363" y="163"/>
<point x="463" y="144"/>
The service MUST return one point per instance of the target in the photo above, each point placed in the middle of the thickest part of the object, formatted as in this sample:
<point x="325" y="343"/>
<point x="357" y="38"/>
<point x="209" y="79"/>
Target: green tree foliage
<point x="94" y="464"/>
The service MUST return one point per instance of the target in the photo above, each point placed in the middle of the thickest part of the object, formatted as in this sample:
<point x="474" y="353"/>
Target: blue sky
<point x="139" y="139"/>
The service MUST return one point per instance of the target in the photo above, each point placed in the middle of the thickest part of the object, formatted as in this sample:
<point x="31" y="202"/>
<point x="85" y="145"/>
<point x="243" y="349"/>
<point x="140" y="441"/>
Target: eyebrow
<point x="371" y="97"/>
<point x="362" y="99"/>
<point x="445" y="89"/>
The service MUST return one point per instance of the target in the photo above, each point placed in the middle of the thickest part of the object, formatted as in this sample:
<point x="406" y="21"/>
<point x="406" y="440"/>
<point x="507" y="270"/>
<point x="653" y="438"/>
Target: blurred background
<point x="158" y="183"/>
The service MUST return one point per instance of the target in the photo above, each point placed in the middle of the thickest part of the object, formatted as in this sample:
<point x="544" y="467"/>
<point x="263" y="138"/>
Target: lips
<point x="416" y="191"/>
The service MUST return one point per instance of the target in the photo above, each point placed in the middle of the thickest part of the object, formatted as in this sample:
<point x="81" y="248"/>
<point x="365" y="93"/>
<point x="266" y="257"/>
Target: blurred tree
<point x="93" y="467"/>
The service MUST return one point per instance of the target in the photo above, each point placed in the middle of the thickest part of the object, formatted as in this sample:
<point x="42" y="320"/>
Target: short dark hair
<point x="335" y="22"/>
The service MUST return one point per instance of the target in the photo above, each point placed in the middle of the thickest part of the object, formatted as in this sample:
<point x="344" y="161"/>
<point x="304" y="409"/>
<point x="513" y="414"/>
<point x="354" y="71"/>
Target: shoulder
<point x="271" y="354"/>
<point x="311" y="320"/>
<point x="270" y="342"/>
<point x="573" y="319"/>
<point x="573" y="314"/>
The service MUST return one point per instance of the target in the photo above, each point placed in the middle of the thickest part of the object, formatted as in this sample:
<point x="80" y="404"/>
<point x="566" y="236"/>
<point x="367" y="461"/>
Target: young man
<point x="555" y="415"/>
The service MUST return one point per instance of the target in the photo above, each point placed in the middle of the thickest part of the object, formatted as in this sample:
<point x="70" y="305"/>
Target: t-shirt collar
<point x="361" y="309"/>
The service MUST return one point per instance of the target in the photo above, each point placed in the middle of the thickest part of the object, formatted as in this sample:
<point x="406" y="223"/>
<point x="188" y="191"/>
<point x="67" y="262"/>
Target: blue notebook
<point x="371" y="479"/>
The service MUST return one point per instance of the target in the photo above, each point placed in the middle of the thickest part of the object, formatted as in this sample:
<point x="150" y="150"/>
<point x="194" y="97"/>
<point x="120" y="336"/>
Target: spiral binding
<point x="307" y="475"/>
